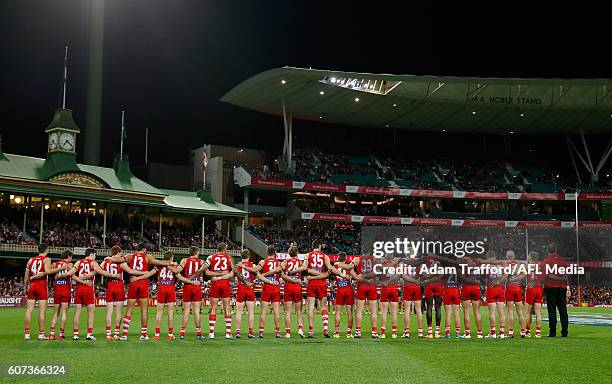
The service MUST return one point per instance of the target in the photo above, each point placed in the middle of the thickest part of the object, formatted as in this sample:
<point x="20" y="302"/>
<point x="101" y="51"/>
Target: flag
<point x="204" y="159"/>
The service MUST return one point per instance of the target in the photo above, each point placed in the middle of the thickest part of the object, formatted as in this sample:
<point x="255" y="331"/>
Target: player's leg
<point x="477" y="317"/>
<point x="300" y="316"/>
<point x="239" y="308"/>
<point x="429" y="314"/>
<point x="56" y="310"/>
<point x="159" y="312"/>
<point x="407" y="307"/>
<point x="75" y="321"/>
<point x="212" y="316"/>
<point x="276" y="312"/>
<point x="438" y="308"/>
<point x="118" y="318"/>
<point x="324" y="313"/>
<point x="373" y="305"/>
<point x="502" y="321"/>
<point x="171" y="306"/>
<point x="393" y="307"/>
<point x="186" y="311"/>
<point x="384" y="312"/>
<point x="128" y="317"/>
<point x="492" y="307"/>
<point x="538" y="316"/>
<point x="27" y="319"/>
<point x="528" y="319"/>
<point x="521" y="318"/>
<point x="447" y="320"/>
<point x="510" y="307"/>
<point x="288" y="307"/>
<point x="144" y="316"/>
<point x="338" y="314"/>
<point x="349" y="321"/>
<point x="467" y="321"/>
<point x="359" y="304"/>
<point x="228" y="316"/>
<point x="250" y="305"/>
<point x="457" y="320"/>
<point x="108" y="319"/>
<point x="63" y="318"/>
<point x="91" y="308"/>
<point x="42" y="309"/>
<point x="262" y="317"/>
<point x="196" y="306"/>
<point x="311" y="308"/>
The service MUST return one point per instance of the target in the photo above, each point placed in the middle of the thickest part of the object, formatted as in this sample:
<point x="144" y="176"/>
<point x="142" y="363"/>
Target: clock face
<point x="66" y="141"/>
<point x="53" y="141"/>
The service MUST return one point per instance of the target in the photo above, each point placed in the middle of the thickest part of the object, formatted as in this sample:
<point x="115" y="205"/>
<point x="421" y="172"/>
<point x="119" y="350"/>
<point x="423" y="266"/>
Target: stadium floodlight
<point x="473" y="112"/>
<point x="333" y="80"/>
<point x="46" y="206"/>
<point x="320" y="117"/>
<point x="18" y="200"/>
<point x="283" y="82"/>
<point x="356" y="99"/>
<point x="444" y="130"/>
<point x="511" y="132"/>
<point x="394" y="104"/>
<point x="522" y="114"/>
<point x="321" y="92"/>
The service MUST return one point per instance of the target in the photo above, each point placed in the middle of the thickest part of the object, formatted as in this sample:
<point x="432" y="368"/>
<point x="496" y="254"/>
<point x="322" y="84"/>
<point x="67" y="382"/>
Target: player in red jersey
<point x="470" y="296"/>
<point x="412" y="295"/>
<point x="271" y="269"/>
<point x="218" y="265"/>
<point x="292" y="268"/>
<point x="345" y="298"/>
<point x="533" y="296"/>
<point x="85" y="271"/>
<point x="389" y="295"/>
<point x="451" y="300"/>
<point x="495" y="297"/>
<point x="434" y="291"/>
<point x="190" y="270"/>
<point x="166" y="295"/>
<point x="514" y="294"/>
<point x="139" y="290"/>
<point x="35" y="282"/>
<point x="115" y="291"/>
<point x="61" y="294"/>
<point x="318" y="267"/>
<point x="245" y="271"/>
<point x="362" y="270"/>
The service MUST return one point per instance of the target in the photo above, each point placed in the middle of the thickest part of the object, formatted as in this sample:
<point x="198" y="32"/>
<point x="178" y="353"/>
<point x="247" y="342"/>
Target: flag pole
<point x="146" y="146"/>
<point x="122" y="133"/>
<point x="65" y="78"/>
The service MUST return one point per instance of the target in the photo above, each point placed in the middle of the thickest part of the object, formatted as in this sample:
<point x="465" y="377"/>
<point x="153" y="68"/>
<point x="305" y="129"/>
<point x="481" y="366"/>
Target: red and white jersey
<point x="114" y="268"/>
<point x="514" y="280"/>
<point x="248" y="276"/>
<point x="291" y="264"/>
<point x="494" y="279"/>
<point x="61" y="284"/>
<point x="165" y="278"/>
<point x="340" y="282"/>
<point x="316" y="261"/>
<point x="192" y="265"/>
<point x="535" y="280"/>
<point x="268" y="265"/>
<point x="37" y="264"/>
<point x="219" y="262"/>
<point x="83" y="269"/>
<point x="138" y="262"/>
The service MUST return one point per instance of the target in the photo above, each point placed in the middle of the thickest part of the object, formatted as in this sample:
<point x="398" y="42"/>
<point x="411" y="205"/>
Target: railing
<point x="33" y="249"/>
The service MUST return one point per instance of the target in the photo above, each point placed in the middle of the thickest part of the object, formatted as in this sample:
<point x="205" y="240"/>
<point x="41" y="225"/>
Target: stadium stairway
<point x="254" y="243"/>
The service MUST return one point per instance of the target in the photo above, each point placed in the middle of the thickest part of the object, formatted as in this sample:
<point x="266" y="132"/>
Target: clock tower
<point x="61" y="144"/>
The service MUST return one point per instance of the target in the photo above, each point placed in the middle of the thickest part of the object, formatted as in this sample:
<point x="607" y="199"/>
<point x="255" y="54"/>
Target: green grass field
<point x="583" y="357"/>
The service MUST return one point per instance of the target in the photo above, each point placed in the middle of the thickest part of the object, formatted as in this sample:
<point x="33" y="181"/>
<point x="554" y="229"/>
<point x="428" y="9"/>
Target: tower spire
<point x="65" y="81"/>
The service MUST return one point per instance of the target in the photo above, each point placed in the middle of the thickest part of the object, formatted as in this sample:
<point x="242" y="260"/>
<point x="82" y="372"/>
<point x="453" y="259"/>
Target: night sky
<point x="168" y="62"/>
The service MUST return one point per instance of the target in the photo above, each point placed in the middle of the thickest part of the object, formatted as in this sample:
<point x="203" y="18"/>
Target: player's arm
<point x="144" y="276"/>
<point x="226" y="276"/>
<point x="118" y="258"/>
<point x="186" y="280"/>
<point x="131" y="271"/>
<point x="320" y="276"/>
<point x="265" y="279"/>
<point x="49" y="270"/>
<point x="26" y="277"/>
<point x="274" y="271"/>
<point x="71" y="271"/>
<point x="100" y="271"/>
<point x="241" y="277"/>
<point x="445" y="259"/>
<point x="330" y="266"/>
<point x="354" y="275"/>
<point x="254" y="269"/>
<point x="174" y="269"/>
<point x="290" y="279"/>
<point x="162" y="263"/>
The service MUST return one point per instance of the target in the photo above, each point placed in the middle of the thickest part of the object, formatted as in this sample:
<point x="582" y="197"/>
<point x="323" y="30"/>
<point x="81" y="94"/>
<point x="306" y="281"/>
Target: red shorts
<point x="271" y="294"/>
<point x="245" y="294"/>
<point x="451" y="296"/>
<point x="85" y="296"/>
<point x="368" y="292"/>
<point x="495" y="294"/>
<point x="220" y="289"/>
<point x="433" y="290"/>
<point x="166" y="296"/>
<point x="412" y="293"/>
<point x="192" y="293"/>
<point x="345" y="296"/>
<point x="470" y="292"/>
<point x="389" y="294"/>
<point x="115" y="296"/>
<point x="534" y="295"/>
<point x="514" y="293"/>
<point x="139" y="290"/>
<point x="318" y="290"/>
<point x="293" y="292"/>
<point x="61" y="297"/>
<point x="37" y="292"/>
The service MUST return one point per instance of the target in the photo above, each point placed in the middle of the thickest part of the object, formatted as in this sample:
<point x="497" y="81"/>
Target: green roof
<point x="195" y="201"/>
<point x="431" y="103"/>
<point x="62" y="118"/>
